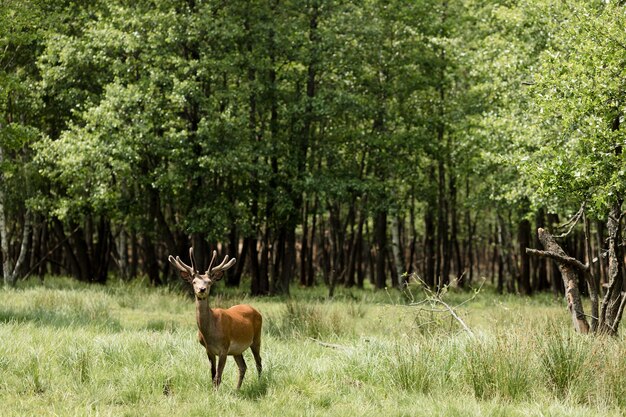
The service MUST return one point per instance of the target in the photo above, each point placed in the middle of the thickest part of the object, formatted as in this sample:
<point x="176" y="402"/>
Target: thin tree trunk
<point x="255" y="279"/>
<point x="610" y="314"/>
<point x="11" y="274"/>
<point x="122" y="251"/>
<point x="429" y="242"/>
<point x="355" y="260"/>
<point x="601" y="268"/>
<point x="523" y="238"/>
<point x="454" y="238"/>
<point x="310" y="280"/>
<point x="288" y="260"/>
<point x="304" y="245"/>
<point x="540" y="271"/>
<point x="443" y="244"/>
<point x="593" y="280"/>
<point x="381" y="246"/>
<point x="7" y="267"/>
<point x="235" y="276"/>
<point x="396" y="248"/>
<point x="151" y="262"/>
<point x="264" y="265"/>
<point x="278" y="251"/>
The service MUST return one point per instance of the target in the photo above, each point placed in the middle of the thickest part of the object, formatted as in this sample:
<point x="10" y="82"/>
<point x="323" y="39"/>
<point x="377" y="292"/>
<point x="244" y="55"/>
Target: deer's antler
<point x="217" y="272"/>
<point x="183" y="267"/>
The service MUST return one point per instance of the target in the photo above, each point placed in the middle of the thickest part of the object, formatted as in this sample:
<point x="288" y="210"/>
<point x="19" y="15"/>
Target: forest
<point x="424" y="199"/>
<point x="320" y="142"/>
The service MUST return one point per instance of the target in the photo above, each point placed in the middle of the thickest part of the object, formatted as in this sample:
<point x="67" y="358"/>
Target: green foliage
<point x="577" y="98"/>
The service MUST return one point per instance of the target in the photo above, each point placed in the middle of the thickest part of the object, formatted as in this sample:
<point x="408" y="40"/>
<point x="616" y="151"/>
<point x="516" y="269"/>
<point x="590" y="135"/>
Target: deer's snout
<point x="202" y="290"/>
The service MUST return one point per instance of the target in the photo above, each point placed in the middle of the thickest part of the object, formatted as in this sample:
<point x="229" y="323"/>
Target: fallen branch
<point x="436" y="298"/>
<point x="455" y="316"/>
<point x="332" y="345"/>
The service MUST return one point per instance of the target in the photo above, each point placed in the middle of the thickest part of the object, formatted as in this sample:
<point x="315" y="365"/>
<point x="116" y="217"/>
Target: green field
<point x="124" y="349"/>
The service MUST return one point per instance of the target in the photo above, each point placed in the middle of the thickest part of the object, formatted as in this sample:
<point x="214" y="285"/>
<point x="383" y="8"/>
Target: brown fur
<point x="229" y="332"/>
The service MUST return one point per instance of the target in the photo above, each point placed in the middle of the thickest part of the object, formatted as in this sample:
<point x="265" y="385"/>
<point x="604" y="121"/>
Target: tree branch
<point x="574" y="263"/>
<point x="573" y="221"/>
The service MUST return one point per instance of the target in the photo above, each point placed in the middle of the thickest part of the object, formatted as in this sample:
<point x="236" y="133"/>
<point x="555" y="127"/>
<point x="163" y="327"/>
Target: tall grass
<point x="319" y="320"/>
<point x="563" y="358"/>
<point x="76" y="350"/>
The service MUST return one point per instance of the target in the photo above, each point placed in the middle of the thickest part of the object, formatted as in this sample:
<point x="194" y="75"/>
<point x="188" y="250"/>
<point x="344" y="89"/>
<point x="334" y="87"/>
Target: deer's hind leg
<point x="256" y="352"/>
<point x="241" y="363"/>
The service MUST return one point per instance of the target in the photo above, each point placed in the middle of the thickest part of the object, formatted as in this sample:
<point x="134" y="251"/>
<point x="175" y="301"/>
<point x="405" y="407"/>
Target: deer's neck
<point x="204" y="316"/>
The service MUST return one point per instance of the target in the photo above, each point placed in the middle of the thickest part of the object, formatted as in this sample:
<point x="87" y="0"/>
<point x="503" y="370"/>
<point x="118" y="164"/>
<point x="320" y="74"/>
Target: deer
<point x="222" y="332"/>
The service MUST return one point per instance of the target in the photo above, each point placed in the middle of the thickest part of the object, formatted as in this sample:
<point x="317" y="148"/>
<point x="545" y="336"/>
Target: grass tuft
<point x="307" y="320"/>
<point x="563" y="358"/>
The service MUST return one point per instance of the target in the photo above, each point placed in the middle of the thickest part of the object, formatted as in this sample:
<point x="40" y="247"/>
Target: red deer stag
<point x="222" y="332"/>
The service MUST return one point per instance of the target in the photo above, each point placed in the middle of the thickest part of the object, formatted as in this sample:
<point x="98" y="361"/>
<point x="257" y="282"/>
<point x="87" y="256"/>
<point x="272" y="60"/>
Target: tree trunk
<point x="11" y="274"/>
<point x="381" y="246"/>
<point x="234" y="279"/>
<point x="540" y="271"/>
<point x="523" y="238"/>
<point x="569" y="268"/>
<point x="396" y="248"/>
<point x="601" y="263"/>
<point x="101" y="254"/>
<point x="304" y="245"/>
<point x="613" y="303"/>
<point x="310" y="280"/>
<point x="278" y="251"/>
<point x="151" y="262"/>
<point x="593" y="280"/>
<point x="504" y="245"/>
<point x="354" y="263"/>
<point x="255" y="277"/>
<point x="443" y="240"/>
<point x="429" y="242"/>
<point x="264" y="265"/>
<point x="7" y="268"/>
<point x="455" y="249"/>
<point x="288" y="260"/>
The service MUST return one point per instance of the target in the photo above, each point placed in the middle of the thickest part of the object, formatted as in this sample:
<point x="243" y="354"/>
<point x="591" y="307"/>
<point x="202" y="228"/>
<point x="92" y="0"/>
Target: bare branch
<point x="455" y="316"/>
<point x="572" y="222"/>
<point x="436" y="298"/>
<point x="332" y="345"/>
<point x="572" y="262"/>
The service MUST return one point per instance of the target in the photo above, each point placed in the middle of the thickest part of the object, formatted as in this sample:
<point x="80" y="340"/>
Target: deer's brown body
<point x="222" y="332"/>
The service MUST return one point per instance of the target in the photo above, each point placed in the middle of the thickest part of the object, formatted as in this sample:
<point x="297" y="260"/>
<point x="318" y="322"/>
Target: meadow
<point x="126" y="349"/>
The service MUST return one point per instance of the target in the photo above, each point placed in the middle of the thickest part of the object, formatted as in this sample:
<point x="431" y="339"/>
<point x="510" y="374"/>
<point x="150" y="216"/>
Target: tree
<point x="579" y="104"/>
<point x="20" y="42"/>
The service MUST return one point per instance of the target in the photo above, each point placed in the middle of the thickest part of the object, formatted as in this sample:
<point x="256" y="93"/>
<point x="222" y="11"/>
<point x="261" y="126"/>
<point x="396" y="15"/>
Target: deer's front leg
<point x="220" y="369"/>
<point x="213" y="369"/>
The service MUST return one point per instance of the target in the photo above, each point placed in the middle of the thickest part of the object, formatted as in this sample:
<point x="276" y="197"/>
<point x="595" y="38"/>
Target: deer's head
<point x="201" y="282"/>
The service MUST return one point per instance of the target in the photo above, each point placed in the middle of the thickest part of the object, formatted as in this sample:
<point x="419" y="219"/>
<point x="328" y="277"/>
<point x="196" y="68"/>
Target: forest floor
<point x="70" y="349"/>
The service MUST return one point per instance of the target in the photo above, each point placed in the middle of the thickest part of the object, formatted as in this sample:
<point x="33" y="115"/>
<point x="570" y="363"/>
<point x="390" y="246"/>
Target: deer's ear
<point x="186" y="276"/>
<point x="218" y="276"/>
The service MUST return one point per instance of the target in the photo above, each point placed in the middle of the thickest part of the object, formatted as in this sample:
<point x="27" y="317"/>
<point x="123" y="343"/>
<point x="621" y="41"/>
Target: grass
<point x="125" y="349"/>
